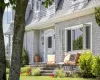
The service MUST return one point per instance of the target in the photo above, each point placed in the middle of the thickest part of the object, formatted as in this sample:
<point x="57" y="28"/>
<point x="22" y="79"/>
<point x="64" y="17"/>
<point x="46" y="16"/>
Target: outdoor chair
<point x="71" y="62"/>
<point x="72" y="59"/>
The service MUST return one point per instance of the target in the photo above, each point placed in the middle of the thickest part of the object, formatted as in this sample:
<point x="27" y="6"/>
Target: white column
<point x="12" y="14"/>
<point x="66" y="40"/>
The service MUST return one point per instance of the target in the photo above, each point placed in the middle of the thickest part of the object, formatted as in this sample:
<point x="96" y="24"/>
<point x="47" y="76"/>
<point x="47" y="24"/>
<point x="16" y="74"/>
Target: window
<point x="78" y="37"/>
<point x="88" y="37"/>
<point x="50" y="42"/>
<point x="69" y="40"/>
<point x="37" y="5"/>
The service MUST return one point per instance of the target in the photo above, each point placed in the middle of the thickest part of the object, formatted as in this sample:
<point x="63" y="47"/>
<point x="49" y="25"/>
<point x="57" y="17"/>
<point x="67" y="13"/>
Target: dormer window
<point x="37" y="5"/>
<point x="31" y="2"/>
<point x="78" y="4"/>
<point x="75" y="1"/>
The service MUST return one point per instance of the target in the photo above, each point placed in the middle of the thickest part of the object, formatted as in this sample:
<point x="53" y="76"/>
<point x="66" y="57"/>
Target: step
<point x="48" y="68"/>
<point x="35" y="65"/>
<point x="46" y="71"/>
<point x="50" y="65"/>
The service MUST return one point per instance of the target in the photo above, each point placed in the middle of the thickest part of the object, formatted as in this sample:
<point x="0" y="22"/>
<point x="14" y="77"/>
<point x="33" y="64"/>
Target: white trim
<point x="90" y="23"/>
<point x="84" y="36"/>
<point x="49" y="30"/>
<point x="74" y="27"/>
<point x="65" y="40"/>
<point x="31" y="3"/>
<point x="47" y="33"/>
<point x="37" y="3"/>
<point x="71" y="40"/>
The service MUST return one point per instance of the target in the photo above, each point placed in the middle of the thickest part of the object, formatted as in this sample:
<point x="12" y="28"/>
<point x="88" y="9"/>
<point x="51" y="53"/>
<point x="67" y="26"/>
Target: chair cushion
<point x="72" y="59"/>
<point x="67" y="58"/>
<point x="51" y="59"/>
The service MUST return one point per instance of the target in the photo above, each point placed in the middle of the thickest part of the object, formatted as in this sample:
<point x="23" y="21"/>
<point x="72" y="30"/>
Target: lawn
<point x="49" y="78"/>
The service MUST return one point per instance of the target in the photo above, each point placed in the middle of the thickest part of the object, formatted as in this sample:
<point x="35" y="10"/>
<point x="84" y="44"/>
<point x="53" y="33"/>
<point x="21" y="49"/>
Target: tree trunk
<point x="2" y="46"/>
<point x="19" y="29"/>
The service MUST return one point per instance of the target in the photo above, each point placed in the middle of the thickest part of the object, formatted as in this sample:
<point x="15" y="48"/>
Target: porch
<point x="47" y="70"/>
<point x="69" y="65"/>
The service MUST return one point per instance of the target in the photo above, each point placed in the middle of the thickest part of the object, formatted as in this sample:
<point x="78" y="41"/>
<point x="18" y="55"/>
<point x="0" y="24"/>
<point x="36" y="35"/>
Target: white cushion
<point x="51" y="58"/>
<point x="67" y="58"/>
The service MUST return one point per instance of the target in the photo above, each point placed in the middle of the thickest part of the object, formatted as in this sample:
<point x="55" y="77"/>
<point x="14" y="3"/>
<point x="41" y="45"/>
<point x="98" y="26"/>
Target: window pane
<point x="88" y="37"/>
<point x="69" y="40"/>
<point x="49" y="42"/>
<point x="78" y="39"/>
<point x="37" y="5"/>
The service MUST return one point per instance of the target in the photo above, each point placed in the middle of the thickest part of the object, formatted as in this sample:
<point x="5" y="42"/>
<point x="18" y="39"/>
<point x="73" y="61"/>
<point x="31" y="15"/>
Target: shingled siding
<point x="58" y="44"/>
<point x="59" y="28"/>
<point x="29" y="45"/>
<point x="43" y="11"/>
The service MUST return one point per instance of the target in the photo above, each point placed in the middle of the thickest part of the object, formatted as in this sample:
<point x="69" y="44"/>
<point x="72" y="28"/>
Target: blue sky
<point x="6" y="21"/>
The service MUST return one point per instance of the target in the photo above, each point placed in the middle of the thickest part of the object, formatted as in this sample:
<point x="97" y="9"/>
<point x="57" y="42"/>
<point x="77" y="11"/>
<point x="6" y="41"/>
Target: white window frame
<point x="37" y="10"/>
<point x="31" y="2"/>
<point x="84" y="39"/>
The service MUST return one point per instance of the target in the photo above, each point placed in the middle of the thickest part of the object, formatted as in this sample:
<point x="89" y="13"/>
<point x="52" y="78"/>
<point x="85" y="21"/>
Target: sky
<point x="6" y="21"/>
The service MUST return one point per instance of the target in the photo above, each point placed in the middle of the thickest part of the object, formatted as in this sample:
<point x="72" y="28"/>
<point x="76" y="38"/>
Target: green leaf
<point x="97" y="15"/>
<point x="47" y="3"/>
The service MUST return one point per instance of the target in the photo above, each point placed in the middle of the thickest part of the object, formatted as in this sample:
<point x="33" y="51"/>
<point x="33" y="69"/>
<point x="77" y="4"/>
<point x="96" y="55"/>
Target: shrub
<point x="23" y="74"/>
<point x="26" y="71"/>
<point x="96" y="66"/>
<point x="85" y="63"/>
<point x="25" y="59"/>
<point x="36" y="72"/>
<point x="7" y="71"/>
<point x="29" y="72"/>
<point x="59" y="73"/>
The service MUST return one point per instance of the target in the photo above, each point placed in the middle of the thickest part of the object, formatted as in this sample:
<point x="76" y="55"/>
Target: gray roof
<point x="62" y="7"/>
<point x="66" y="6"/>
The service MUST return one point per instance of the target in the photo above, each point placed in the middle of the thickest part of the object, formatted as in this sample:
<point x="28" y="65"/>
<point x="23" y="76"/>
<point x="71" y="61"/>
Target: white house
<point x="66" y="26"/>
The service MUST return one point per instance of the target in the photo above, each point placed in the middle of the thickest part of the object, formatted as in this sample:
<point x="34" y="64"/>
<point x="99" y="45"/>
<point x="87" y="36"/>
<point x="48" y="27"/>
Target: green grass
<point x="49" y="78"/>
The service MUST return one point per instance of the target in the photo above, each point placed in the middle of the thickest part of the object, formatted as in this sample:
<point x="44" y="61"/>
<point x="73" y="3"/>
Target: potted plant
<point x="37" y="57"/>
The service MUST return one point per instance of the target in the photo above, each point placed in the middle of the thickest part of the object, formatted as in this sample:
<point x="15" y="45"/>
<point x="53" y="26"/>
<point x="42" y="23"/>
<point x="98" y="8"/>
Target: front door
<point x="49" y="44"/>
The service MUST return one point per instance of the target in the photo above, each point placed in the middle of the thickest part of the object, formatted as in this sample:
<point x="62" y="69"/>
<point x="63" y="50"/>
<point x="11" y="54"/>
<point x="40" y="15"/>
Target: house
<point x="66" y="26"/>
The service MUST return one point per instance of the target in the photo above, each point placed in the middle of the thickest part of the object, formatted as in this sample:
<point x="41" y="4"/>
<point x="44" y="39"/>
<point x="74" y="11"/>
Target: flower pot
<point x="37" y="59"/>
